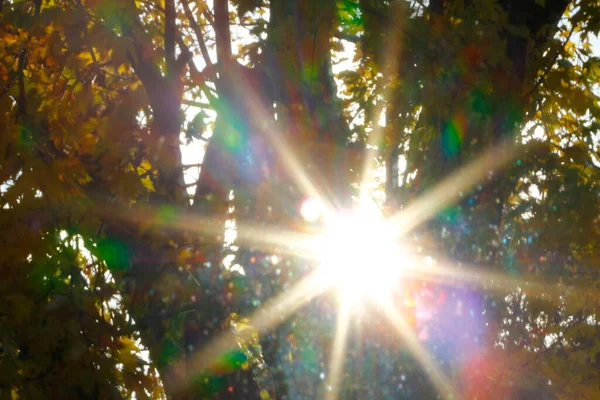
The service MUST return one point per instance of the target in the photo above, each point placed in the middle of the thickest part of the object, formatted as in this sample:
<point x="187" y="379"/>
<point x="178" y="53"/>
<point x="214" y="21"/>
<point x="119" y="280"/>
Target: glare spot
<point x="359" y="254"/>
<point x="311" y="209"/>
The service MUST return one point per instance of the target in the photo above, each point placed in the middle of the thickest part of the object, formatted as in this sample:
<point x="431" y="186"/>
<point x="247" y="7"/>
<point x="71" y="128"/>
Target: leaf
<point x="127" y="353"/>
<point x="578" y="154"/>
<point x="197" y="127"/>
<point x="246" y="6"/>
<point x="591" y="69"/>
<point x="148" y="184"/>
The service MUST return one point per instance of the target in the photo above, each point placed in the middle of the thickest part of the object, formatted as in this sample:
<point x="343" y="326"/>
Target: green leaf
<point x="591" y="69"/>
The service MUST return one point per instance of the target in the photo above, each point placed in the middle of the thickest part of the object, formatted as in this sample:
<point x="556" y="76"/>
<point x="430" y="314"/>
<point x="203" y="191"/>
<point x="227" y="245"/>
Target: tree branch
<point x="549" y="66"/>
<point x="21" y="101"/>
<point x="170" y="36"/>
<point x="146" y="71"/>
<point x="222" y="32"/>
<point x="199" y="78"/>
<point x="209" y="17"/>
<point x="197" y="30"/>
<point x="197" y="104"/>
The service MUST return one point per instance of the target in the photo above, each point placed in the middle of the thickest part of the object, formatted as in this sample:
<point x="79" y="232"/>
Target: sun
<point x="359" y="255"/>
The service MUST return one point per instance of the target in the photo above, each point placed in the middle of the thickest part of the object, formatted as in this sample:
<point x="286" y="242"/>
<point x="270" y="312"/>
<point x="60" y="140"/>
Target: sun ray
<point x="274" y="312"/>
<point x="261" y="237"/>
<point x="447" y="272"/>
<point x="336" y="362"/>
<point x="439" y="380"/>
<point x="293" y="165"/>
<point x="453" y="187"/>
<point x="291" y="160"/>
<point x="283" y="305"/>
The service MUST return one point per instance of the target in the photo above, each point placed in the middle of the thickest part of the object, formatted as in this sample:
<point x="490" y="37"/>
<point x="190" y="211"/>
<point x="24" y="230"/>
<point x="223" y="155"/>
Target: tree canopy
<point x="128" y="272"/>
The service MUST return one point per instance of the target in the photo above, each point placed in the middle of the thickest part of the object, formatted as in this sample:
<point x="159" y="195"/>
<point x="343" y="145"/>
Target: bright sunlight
<point x="358" y="253"/>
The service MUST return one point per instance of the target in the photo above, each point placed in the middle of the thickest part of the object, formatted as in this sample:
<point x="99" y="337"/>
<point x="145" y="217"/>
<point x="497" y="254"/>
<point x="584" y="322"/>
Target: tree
<point x="113" y="274"/>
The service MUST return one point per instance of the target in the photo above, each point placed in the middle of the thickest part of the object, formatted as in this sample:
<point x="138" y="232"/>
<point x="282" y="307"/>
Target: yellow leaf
<point x="183" y="256"/>
<point x="127" y="353"/>
<point x="148" y="184"/>
<point x="145" y="165"/>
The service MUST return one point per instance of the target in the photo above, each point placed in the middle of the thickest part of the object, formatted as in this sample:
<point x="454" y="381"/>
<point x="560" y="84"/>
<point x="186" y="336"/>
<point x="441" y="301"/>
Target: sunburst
<point x="359" y="254"/>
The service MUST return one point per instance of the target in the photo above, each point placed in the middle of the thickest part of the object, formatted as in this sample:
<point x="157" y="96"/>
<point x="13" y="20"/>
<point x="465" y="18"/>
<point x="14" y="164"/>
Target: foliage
<point x="113" y="271"/>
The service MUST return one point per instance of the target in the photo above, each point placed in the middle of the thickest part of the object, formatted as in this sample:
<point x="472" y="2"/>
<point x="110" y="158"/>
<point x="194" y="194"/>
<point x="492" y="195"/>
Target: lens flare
<point x="311" y="209"/>
<point x="359" y="254"/>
